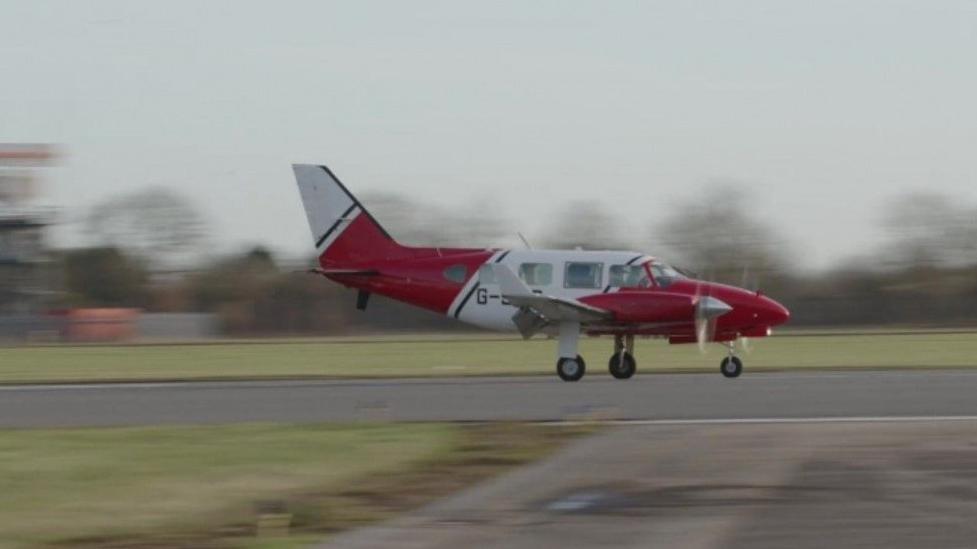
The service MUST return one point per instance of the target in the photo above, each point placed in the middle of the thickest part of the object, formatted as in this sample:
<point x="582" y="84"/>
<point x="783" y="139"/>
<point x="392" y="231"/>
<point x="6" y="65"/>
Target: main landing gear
<point x="570" y="366"/>
<point x="622" y="364"/>
<point x="571" y="369"/>
<point x="731" y="366"/>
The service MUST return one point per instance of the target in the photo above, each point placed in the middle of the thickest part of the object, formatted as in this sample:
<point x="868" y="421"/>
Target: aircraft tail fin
<point x="343" y="230"/>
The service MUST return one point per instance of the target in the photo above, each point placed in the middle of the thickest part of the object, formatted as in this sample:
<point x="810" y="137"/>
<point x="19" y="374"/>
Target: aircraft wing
<point x="553" y="309"/>
<point x="556" y="309"/>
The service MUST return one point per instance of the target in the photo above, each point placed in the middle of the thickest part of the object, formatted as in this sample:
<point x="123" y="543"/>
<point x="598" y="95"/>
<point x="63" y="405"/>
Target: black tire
<point x="622" y="369"/>
<point x="571" y="369"/>
<point x="731" y="367"/>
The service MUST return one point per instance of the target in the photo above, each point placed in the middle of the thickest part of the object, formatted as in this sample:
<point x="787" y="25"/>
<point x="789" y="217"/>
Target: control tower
<point x="25" y="274"/>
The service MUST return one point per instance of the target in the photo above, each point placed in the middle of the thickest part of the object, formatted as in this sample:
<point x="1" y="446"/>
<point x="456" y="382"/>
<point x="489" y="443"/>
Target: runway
<point x="769" y="460"/>
<point x="649" y="396"/>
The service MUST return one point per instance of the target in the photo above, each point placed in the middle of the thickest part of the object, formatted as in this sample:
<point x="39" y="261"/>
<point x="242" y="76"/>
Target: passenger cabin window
<point x="629" y="276"/>
<point x="582" y="275"/>
<point x="456" y="273"/>
<point x="536" y="274"/>
<point x="486" y="275"/>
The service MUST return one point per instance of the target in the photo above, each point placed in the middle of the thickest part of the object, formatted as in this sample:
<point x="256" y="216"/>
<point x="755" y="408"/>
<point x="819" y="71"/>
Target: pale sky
<point x="823" y="109"/>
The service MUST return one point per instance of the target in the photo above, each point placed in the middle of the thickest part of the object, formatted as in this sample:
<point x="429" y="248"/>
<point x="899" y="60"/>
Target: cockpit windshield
<point x="663" y="274"/>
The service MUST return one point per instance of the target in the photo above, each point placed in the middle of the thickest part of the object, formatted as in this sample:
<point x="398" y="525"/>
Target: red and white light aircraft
<point x="555" y="292"/>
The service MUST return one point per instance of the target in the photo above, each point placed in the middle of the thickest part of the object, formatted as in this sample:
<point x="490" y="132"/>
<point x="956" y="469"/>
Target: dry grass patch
<point x="206" y="486"/>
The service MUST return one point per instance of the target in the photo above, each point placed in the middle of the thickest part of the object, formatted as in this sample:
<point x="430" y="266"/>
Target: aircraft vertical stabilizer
<point x="343" y="231"/>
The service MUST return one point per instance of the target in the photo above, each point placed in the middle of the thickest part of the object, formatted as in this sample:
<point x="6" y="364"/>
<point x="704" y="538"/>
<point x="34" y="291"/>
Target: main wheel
<point x="622" y="365"/>
<point x="571" y="369"/>
<point x="731" y="366"/>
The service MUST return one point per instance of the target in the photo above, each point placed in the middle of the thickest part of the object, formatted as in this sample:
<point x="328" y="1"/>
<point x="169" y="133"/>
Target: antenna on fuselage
<point x="524" y="241"/>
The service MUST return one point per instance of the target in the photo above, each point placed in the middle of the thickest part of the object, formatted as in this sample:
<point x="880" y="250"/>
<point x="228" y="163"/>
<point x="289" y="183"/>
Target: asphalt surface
<point x="649" y="396"/>
<point x="801" y="485"/>
<point x="769" y="460"/>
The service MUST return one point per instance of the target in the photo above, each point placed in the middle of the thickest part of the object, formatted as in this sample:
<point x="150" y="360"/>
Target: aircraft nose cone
<point x="774" y="312"/>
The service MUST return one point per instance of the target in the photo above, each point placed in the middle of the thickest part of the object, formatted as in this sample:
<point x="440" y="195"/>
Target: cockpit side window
<point x="629" y="276"/>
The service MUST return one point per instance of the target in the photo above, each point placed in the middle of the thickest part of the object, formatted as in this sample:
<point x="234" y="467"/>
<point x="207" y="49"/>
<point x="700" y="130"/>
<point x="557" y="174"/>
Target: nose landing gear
<point x="731" y="366"/>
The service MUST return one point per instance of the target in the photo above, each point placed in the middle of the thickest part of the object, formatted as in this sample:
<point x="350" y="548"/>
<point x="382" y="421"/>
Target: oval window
<point x="456" y="273"/>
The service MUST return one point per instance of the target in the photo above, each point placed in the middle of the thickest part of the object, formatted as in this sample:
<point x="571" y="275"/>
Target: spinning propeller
<point x="707" y="310"/>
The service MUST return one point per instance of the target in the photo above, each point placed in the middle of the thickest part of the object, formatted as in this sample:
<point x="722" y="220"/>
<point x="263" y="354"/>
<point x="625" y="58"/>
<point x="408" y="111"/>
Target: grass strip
<point x="426" y="358"/>
<point x="212" y="486"/>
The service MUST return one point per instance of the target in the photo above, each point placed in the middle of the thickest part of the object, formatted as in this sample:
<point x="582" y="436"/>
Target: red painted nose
<point x="773" y="313"/>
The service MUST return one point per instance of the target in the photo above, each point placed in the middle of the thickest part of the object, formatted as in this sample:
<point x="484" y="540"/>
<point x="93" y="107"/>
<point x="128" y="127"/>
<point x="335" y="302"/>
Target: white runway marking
<point x="763" y="420"/>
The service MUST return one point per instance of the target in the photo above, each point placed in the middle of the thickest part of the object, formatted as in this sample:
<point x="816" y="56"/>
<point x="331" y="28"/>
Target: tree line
<point x="925" y="273"/>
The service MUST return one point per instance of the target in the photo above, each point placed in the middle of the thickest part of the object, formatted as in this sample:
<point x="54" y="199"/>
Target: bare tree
<point x="156" y="224"/>
<point x="930" y="229"/>
<point x="104" y="277"/>
<point x="586" y="225"/>
<point x="719" y="237"/>
<point x="418" y="224"/>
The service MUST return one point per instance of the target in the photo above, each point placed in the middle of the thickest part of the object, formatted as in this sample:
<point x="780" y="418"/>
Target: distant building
<point x="26" y="279"/>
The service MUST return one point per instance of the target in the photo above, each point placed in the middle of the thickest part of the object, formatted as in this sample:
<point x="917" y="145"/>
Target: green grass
<point x="426" y="357"/>
<point x="201" y="486"/>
